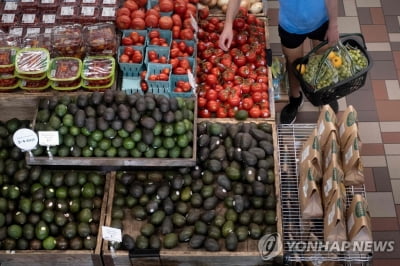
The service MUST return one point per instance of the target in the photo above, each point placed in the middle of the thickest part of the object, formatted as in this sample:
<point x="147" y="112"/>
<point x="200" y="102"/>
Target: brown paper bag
<point x="326" y="124"/>
<point x="331" y="151"/>
<point x="353" y="167"/>
<point x="333" y="177"/>
<point x="347" y="125"/>
<point x="359" y="220"/>
<point x="311" y="151"/>
<point x="334" y="221"/>
<point x="310" y="196"/>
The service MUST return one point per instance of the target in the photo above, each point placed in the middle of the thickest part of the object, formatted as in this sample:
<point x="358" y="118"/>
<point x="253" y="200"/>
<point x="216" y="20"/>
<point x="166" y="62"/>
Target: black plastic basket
<point x="331" y="93"/>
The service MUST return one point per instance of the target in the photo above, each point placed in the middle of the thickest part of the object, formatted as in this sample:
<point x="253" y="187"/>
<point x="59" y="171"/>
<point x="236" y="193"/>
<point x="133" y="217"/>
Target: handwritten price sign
<point x="25" y="139"/>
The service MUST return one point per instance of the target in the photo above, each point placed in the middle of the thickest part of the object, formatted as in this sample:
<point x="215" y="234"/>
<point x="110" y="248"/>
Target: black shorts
<point x="293" y="40"/>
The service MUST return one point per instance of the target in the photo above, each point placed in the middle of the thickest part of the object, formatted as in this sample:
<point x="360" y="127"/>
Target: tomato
<point x="228" y="75"/>
<point x="124" y="58"/>
<point x="165" y="23"/>
<point x="239" y="60"/>
<point x="256" y="96"/>
<point x="222" y="112"/>
<point x="201" y="102"/>
<point x="239" y="23"/>
<point x="234" y="100"/>
<point x="211" y="94"/>
<point x="152" y="55"/>
<point x="165" y="70"/>
<point x="261" y="61"/>
<point x="256" y="87"/>
<point x="180" y="7"/>
<point x="187" y="34"/>
<point x="223" y="95"/>
<point x="151" y="21"/>
<point x="207" y="53"/>
<point x="204" y="113"/>
<point x="244" y="71"/>
<point x="247" y="103"/>
<point x="184" y="63"/>
<point x="262" y="70"/>
<point x="245" y="48"/>
<point x="137" y="57"/>
<point x="262" y="79"/>
<point x="143" y="85"/>
<point x="174" y="62"/>
<point x="238" y="80"/>
<point x="231" y="112"/>
<point x="163" y="59"/>
<point x="206" y="67"/>
<point x="251" y="56"/>
<point x="189" y="50"/>
<point x="131" y="5"/>
<point x="123" y="11"/>
<point x="218" y="88"/>
<point x="252" y="75"/>
<point x="163" y="77"/>
<point x="265" y="113"/>
<point x="123" y="22"/>
<point x="251" y="19"/>
<point x="212" y="105"/>
<point x="204" y="12"/>
<point x="126" y="41"/>
<point x="143" y="74"/>
<point x="179" y="71"/>
<point x="241" y="38"/>
<point x="255" y="112"/>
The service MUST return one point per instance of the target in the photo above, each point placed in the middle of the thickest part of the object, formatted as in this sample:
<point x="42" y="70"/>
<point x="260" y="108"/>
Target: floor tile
<point x="383" y="262"/>
<point x="370" y="132"/>
<point x="383" y="70"/>
<point x="390" y="7"/>
<point x="392" y="23"/>
<point x="381" y="55"/>
<point x="307" y="117"/>
<point x="391" y="137"/>
<point x="350" y="9"/>
<point x="378" y="46"/>
<point x="372" y="149"/>
<point x="386" y="110"/>
<point x="374" y="161"/>
<point x="364" y="16"/>
<point x="394" y="37"/>
<point x="379" y="88"/>
<point x="396" y="59"/>
<point x="398" y="213"/>
<point x="387" y="236"/>
<point x="273" y="34"/>
<point x="348" y="24"/>
<point x="369" y="180"/>
<point x="378" y="199"/>
<point x="375" y="33"/>
<point x="390" y="126"/>
<point x="308" y="107"/>
<point x="368" y="3"/>
<point x="395" y="46"/>
<point x="393" y="89"/>
<point x="382" y="179"/>
<point x="377" y="15"/>
<point x="384" y="224"/>
<point x="393" y="164"/>
<point x="396" y="191"/>
<point x="367" y="116"/>
<point x="392" y="149"/>
<point x="361" y="100"/>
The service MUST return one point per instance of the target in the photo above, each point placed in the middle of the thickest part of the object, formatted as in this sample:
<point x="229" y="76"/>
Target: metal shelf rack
<point x="296" y="229"/>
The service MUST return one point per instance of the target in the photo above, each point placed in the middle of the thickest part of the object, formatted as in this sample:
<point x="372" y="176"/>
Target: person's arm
<point x="332" y="34"/>
<point x="226" y="36"/>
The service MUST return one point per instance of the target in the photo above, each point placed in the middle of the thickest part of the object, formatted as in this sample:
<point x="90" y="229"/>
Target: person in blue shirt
<point x="298" y="20"/>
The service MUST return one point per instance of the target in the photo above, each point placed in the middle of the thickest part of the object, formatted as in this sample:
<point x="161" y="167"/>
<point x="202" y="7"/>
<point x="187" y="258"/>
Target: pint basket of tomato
<point x="158" y="78"/>
<point x="157" y="54"/>
<point x="130" y="60"/>
<point x="180" y="86"/>
<point x="159" y="37"/>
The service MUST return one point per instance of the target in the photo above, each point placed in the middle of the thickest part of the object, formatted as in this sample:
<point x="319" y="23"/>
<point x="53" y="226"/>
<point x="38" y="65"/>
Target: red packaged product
<point x="8" y="20"/>
<point x="70" y="2"/>
<point x="32" y="31"/>
<point x="17" y="30"/>
<point x="67" y="40"/>
<point x="9" y="40"/>
<point x="29" y="19"/>
<point x="48" y="18"/>
<point x="107" y="14"/>
<point x="90" y="3"/>
<point x="8" y="82"/>
<point x="100" y="39"/>
<point x="88" y="14"/>
<point x="7" y="61"/>
<point x="24" y="4"/>
<point x="46" y="5"/>
<point x="67" y="14"/>
<point x="10" y="7"/>
<point x="39" y="40"/>
<point x="112" y="3"/>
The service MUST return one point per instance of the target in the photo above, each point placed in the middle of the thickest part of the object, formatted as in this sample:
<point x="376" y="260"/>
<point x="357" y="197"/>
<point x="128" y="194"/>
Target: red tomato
<point x="137" y="57"/>
<point x="247" y="103"/>
<point x="234" y="100"/>
<point x="201" y="102"/>
<point x="189" y="50"/>
<point x="256" y="96"/>
<point x="211" y="80"/>
<point x="265" y="113"/>
<point x="228" y="75"/>
<point x="240" y="60"/>
<point x="212" y="105"/>
<point x="256" y="87"/>
<point x="251" y="56"/>
<point x="204" y="113"/>
<point x="255" y="112"/>
<point x="179" y="71"/>
<point x="184" y="63"/>
<point x="124" y="58"/>
<point x="211" y="95"/>
<point x="126" y="41"/>
<point x="222" y="112"/>
<point x="262" y="79"/>
<point x="152" y="55"/>
<point x="143" y="85"/>
<point x="174" y="62"/>
<point x="223" y="95"/>
<point x="128" y="50"/>
<point x="244" y="71"/>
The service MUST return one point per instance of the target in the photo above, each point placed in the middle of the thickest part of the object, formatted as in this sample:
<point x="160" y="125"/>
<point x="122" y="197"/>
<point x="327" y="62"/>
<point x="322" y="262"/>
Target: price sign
<point x="194" y="24"/>
<point x="111" y="234"/>
<point x="25" y="139"/>
<point x="192" y="81"/>
<point x="48" y="138"/>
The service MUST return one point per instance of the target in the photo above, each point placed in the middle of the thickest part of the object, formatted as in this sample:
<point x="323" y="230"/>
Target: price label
<point x="17" y="31"/>
<point x="111" y="234"/>
<point x="194" y="24"/>
<point x="67" y="10"/>
<point x="87" y="10"/>
<point x="28" y="18"/>
<point x="32" y="31"/>
<point x="109" y="2"/>
<point x="108" y="12"/>
<point x="11" y="6"/>
<point x="49" y="18"/>
<point x="7" y="18"/>
<point x="25" y="139"/>
<point x="47" y="1"/>
<point x="27" y="1"/>
<point x="192" y="80"/>
<point x="48" y="138"/>
<point x="88" y="1"/>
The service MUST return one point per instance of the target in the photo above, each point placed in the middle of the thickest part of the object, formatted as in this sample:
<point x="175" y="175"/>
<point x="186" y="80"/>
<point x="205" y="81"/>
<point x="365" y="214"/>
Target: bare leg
<point x="291" y="55"/>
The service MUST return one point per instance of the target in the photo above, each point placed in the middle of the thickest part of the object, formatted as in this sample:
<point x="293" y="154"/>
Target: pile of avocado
<point x="114" y="124"/>
<point x="45" y="209"/>
<point x="227" y="198"/>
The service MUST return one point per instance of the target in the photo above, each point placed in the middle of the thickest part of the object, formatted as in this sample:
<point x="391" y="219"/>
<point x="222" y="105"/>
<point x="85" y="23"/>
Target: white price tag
<point x="192" y="80"/>
<point x="49" y="138"/>
<point x="17" y="31"/>
<point x="87" y="10"/>
<point x="67" y="11"/>
<point x="28" y="18"/>
<point x="194" y="24"/>
<point x="70" y="1"/>
<point x="49" y="18"/>
<point x="26" y="1"/>
<point x="48" y="1"/>
<point x="25" y="139"/>
<point x="111" y="234"/>
<point x="88" y="1"/>
<point x="108" y="12"/>
<point x="7" y="18"/>
<point x="32" y="31"/>
<point x="109" y="2"/>
<point x="11" y="6"/>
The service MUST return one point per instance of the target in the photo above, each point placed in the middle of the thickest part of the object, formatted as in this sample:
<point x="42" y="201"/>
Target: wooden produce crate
<point x="247" y="252"/>
<point x="60" y="257"/>
<point x="118" y="162"/>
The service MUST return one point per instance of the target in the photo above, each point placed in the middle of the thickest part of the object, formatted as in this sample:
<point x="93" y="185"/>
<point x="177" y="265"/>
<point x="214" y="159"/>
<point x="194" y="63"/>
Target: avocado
<point x="197" y="241"/>
<point x="170" y="240"/>
<point x="211" y="244"/>
<point x="147" y="229"/>
<point x="109" y="114"/>
<point x="231" y="241"/>
<point x="128" y="242"/>
<point x="79" y="118"/>
<point x="157" y="217"/>
<point x="142" y="242"/>
<point x="178" y="220"/>
<point x="186" y="234"/>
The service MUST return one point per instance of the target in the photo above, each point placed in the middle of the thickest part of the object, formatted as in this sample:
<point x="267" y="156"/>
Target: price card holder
<point x="113" y="235"/>
<point x="192" y="82"/>
<point x="48" y="139"/>
<point x="194" y="25"/>
<point x="25" y="139"/>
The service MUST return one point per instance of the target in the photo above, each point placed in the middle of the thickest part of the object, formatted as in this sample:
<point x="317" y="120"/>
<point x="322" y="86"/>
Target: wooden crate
<point x="246" y="254"/>
<point x="118" y="162"/>
<point x="60" y="257"/>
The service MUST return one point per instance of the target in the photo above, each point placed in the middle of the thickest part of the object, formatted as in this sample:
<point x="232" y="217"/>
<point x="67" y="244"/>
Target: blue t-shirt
<point x="302" y="16"/>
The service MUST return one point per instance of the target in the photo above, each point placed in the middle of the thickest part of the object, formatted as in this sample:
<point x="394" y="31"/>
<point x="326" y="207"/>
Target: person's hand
<point x="332" y="35"/>
<point x="225" y="39"/>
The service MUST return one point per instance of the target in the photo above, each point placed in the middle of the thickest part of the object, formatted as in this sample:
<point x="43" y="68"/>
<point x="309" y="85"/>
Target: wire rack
<point x="295" y="228"/>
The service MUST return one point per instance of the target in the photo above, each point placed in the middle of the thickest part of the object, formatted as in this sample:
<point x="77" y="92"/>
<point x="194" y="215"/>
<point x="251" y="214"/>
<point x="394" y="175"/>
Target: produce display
<point x="229" y="197"/>
<point x="219" y="7"/>
<point x="333" y="66"/>
<point x="45" y="209"/>
<point x="114" y="124"/>
<point x="235" y="80"/>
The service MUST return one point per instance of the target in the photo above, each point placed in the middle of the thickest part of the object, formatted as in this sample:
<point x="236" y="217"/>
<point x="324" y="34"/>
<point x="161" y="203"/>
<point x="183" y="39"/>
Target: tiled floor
<point x="378" y="106"/>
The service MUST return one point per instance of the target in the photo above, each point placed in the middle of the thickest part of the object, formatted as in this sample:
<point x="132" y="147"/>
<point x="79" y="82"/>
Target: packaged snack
<point x="67" y="40"/>
<point x="65" y="69"/>
<point x="331" y="151"/>
<point x="8" y="83"/>
<point x="66" y="85"/>
<point x="100" y="39"/>
<point x="331" y="181"/>
<point x="353" y="167"/>
<point x="88" y="14"/>
<point x="9" y="7"/>
<point x="7" y="61"/>
<point x="309" y="193"/>
<point x="311" y="151"/>
<point x="348" y="125"/>
<point x="39" y="40"/>
<point x="9" y="40"/>
<point x="326" y="124"/>
<point x="48" y="18"/>
<point x="107" y="14"/>
<point x="34" y="85"/>
<point x="98" y="68"/>
<point x="30" y="4"/>
<point x="359" y="220"/>
<point x="32" y="62"/>
<point x="334" y="220"/>
<point x="9" y="19"/>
